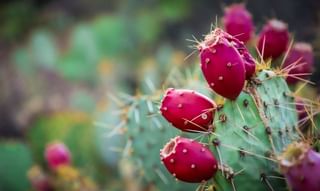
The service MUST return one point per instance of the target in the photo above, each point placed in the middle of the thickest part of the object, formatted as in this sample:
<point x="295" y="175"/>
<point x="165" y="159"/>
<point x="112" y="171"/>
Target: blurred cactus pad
<point x="15" y="161"/>
<point x="75" y="129"/>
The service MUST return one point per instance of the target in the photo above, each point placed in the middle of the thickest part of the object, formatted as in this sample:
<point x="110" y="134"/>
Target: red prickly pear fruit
<point x="238" y="22"/>
<point x="301" y="167"/>
<point x="299" y="62"/>
<point x="57" y="154"/>
<point x="222" y="65"/>
<point x="249" y="63"/>
<point x="188" y="160"/>
<point x="273" y="39"/>
<point x="187" y="110"/>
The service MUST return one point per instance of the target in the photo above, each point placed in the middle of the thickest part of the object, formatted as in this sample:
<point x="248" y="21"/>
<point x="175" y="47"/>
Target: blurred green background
<point x="62" y="61"/>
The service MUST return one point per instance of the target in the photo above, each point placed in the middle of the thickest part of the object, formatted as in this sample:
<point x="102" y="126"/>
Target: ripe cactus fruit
<point x="249" y="63"/>
<point x="238" y="22"/>
<point x="301" y="167"/>
<point x="222" y="65"/>
<point x="188" y="160"/>
<point x="300" y="59"/>
<point x="187" y="110"/>
<point x="57" y="154"/>
<point x="273" y="39"/>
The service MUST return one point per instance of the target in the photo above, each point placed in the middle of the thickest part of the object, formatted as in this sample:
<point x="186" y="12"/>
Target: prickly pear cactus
<point x="252" y="125"/>
<point x="251" y="131"/>
<point x="146" y="131"/>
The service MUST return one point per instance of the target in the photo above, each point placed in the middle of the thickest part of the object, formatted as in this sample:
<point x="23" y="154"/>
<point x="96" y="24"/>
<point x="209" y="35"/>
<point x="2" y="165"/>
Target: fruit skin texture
<point x="238" y="22"/>
<point x="276" y="36"/>
<point x="249" y="63"/>
<point x="188" y="160"/>
<point x="187" y="110"/>
<point x="301" y="53"/>
<point x="301" y="167"/>
<point x="222" y="65"/>
<point x="57" y="154"/>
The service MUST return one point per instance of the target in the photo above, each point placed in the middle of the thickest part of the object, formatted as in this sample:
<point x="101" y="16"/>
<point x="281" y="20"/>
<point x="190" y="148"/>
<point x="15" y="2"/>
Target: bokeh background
<point x="62" y="62"/>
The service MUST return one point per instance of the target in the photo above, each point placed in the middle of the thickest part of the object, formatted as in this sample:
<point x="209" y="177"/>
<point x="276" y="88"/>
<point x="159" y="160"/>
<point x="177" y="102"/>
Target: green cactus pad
<point x="15" y="161"/>
<point x="147" y="132"/>
<point x="251" y="131"/>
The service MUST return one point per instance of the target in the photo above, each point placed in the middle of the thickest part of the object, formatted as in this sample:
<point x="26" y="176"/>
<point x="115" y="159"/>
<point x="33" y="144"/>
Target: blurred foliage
<point x="15" y="18"/>
<point x="15" y="160"/>
<point x="75" y="130"/>
<point x="110" y="36"/>
<point x="69" y="179"/>
<point x="110" y="143"/>
<point x="80" y="62"/>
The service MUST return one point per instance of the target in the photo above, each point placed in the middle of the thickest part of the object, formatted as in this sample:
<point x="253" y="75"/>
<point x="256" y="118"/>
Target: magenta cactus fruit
<point x="249" y="63"/>
<point x="222" y="64"/>
<point x="187" y="110"/>
<point x="299" y="61"/>
<point x="273" y="39"/>
<point x="188" y="160"/>
<point x="301" y="167"/>
<point x="238" y="22"/>
<point x="57" y="154"/>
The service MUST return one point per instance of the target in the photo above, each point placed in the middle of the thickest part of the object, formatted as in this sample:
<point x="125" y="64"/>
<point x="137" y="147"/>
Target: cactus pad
<point x="251" y="131"/>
